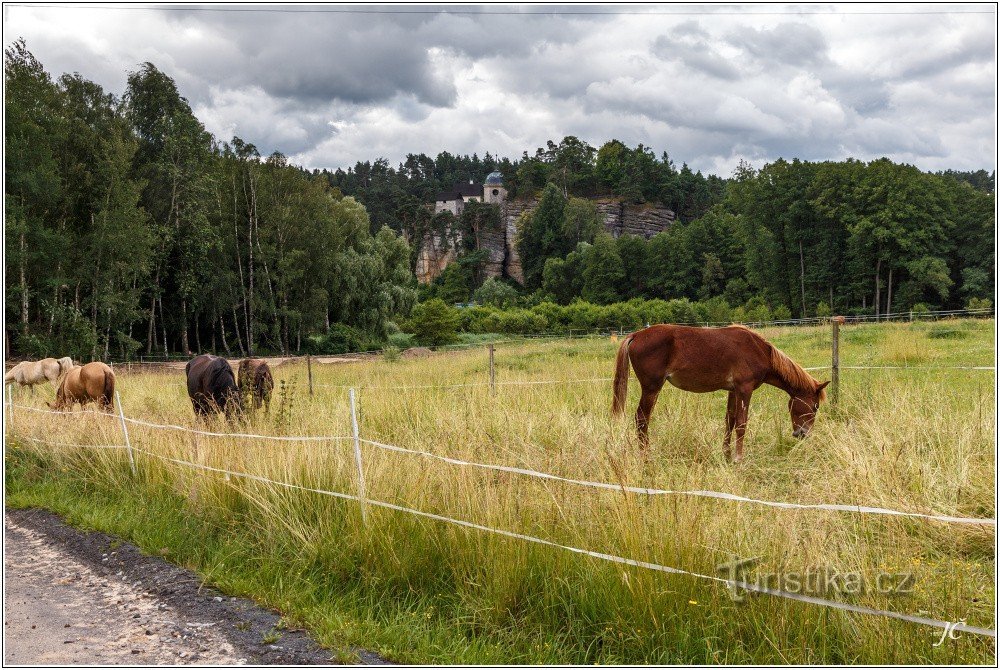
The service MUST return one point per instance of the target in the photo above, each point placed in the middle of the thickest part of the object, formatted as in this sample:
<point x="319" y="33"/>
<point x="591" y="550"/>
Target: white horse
<point x="30" y="373"/>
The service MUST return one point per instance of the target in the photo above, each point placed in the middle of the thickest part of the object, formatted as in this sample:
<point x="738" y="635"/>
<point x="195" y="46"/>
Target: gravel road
<point x="76" y="598"/>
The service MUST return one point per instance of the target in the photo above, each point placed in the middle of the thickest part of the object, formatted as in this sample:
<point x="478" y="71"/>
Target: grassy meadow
<point x="422" y="591"/>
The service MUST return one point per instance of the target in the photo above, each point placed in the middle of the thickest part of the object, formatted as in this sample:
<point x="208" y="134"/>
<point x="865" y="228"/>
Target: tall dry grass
<point x="918" y="440"/>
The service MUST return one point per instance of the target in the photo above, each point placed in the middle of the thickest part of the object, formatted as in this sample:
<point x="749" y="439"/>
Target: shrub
<point x="434" y="323"/>
<point x="823" y="310"/>
<point x="401" y="340"/>
<point x="716" y="310"/>
<point x="495" y="293"/>
<point x="341" y="339"/>
<point x="781" y="313"/>
<point x="390" y="354"/>
<point x="979" y="303"/>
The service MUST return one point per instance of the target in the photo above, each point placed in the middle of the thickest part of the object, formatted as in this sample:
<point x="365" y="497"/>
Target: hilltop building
<point x="453" y="200"/>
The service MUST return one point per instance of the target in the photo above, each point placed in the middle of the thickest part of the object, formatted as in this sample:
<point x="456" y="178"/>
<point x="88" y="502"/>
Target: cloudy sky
<point x="710" y="84"/>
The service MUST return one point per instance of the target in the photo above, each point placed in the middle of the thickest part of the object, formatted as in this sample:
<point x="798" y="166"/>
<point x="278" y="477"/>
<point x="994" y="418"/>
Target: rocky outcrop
<point x="437" y="251"/>
<point x="627" y="219"/>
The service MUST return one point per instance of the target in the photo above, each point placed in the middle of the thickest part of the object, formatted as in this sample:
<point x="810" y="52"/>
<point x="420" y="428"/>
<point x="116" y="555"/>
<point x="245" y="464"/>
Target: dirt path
<point x="73" y="598"/>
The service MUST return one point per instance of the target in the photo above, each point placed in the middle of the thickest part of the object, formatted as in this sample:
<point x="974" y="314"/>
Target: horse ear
<point x="822" y="386"/>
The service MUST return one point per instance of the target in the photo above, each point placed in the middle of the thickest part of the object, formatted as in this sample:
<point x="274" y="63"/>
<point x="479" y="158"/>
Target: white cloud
<point x="329" y="89"/>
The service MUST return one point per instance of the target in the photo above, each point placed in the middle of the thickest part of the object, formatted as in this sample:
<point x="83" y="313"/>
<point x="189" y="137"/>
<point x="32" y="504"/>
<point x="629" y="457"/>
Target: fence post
<point x="835" y="363"/>
<point x="493" y="377"/>
<point x="128" y="441"/>
<point x="10" y="404"/>
<point x="309" y="371"/>
<point x="357" y="459"/>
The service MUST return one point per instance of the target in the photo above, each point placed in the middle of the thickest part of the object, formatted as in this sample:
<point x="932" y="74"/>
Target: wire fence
<point x="364" y="501"/>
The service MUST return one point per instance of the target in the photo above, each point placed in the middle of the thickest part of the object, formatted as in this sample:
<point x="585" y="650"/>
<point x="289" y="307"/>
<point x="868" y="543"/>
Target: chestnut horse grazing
<point x="255" y="382"/>
<point x="733" y="359"/>
<point x="84" y="383"/>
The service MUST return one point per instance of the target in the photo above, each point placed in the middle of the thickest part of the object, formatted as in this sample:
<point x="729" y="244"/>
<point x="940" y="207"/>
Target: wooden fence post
<point x="493" y="377"/>
<point x="357" y="459"/>
<point x="309" y="372"/>
<point x="128" y="441"/>
<point x="835" y="363"/>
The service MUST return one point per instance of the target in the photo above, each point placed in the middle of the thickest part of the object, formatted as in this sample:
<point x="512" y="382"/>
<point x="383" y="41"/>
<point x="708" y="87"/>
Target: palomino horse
<point x="85" y="383"/>
<point x="30" y="373"/>
<point x="212" y="386"/>
<point x="255" y="382"/>
<point x="733" y="359"/>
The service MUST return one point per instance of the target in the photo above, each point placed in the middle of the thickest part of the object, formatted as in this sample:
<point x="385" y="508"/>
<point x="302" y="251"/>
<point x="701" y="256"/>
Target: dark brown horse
<point x="255" y="382"/>
<point x="733" y="359"/>
<point x="212" y="386"/>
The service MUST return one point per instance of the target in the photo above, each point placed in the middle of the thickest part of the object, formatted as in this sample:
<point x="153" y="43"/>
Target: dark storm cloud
<point x="360" y="57"/>
<point x="316" y="56"/>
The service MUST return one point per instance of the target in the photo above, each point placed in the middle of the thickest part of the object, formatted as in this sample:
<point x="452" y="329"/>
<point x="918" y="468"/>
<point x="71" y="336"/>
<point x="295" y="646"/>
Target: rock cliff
<point x="437" y="251"/>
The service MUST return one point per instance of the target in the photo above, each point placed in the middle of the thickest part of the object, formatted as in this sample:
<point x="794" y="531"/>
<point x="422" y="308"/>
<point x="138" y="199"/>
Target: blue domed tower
<point x="493" y="190"/>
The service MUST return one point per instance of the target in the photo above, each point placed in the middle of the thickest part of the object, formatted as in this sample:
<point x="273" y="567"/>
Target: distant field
<point x="920" y="439"/>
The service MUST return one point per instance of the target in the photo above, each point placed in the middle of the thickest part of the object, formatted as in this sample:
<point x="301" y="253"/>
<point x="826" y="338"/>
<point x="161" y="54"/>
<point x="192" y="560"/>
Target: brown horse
<point x="212" y="386"/>
<point x="255" y="382"/>
<point x="85" y="383"/>
<point x="733" y="359"/>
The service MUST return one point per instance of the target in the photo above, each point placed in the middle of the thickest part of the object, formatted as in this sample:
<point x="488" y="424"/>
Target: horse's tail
<point x="11" y="376"/>
<point x="620" y="384"/>
<point x="109" y="389"/>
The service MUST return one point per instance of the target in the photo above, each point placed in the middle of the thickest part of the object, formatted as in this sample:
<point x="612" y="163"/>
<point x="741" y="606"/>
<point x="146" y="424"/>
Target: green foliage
<point x="341" y="339"/>
<point x="823" y="310"/>
<point x="540" y="235"/>
<point x="495" y="293"/>
<point x="603" y="271"/>
<point x="979" y="303"/>
<point x="401" y="340"/>
<point x="434" y="323"/>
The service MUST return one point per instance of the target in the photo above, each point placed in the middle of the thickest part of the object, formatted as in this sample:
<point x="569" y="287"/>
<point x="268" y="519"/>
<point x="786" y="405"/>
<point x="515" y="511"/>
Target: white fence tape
<point x="917" y="367"/>
<point x="82" y="412"/>
<point x="453" y="386"/>
<point x="277" y="438"/>
<point x="859" y="609"/>
<point x="862" y="509"/>
<point x="405" y="387"/>
<point x="73" y="444"/>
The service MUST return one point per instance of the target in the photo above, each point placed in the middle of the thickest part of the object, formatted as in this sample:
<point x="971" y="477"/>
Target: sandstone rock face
<point x="436" y="252"/>
<point x="628" y="219"/>
<point x="620" y="218"/>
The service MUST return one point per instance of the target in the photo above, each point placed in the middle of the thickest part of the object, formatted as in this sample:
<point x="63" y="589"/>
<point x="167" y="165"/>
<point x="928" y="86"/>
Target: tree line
<point x="131" y="230"/>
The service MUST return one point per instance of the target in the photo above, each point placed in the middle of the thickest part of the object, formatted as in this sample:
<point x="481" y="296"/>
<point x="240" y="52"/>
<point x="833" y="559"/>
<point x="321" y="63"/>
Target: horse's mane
<point x="785" y="367"/>
<point x="792" y="372"/>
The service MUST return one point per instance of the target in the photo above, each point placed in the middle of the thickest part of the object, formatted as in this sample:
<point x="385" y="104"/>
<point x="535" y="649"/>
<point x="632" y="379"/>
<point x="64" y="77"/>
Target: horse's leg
<point x="742" y="411"/>
<point x="730" y="424"/>
<point x="642" y="414"/>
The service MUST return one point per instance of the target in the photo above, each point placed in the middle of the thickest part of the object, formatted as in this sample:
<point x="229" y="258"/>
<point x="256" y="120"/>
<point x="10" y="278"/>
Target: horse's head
<point x="803" y="406"/>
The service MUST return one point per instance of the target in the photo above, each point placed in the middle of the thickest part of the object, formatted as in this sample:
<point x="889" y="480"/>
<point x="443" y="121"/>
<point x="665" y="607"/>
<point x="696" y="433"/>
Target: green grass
<point x="424" y="592"/>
